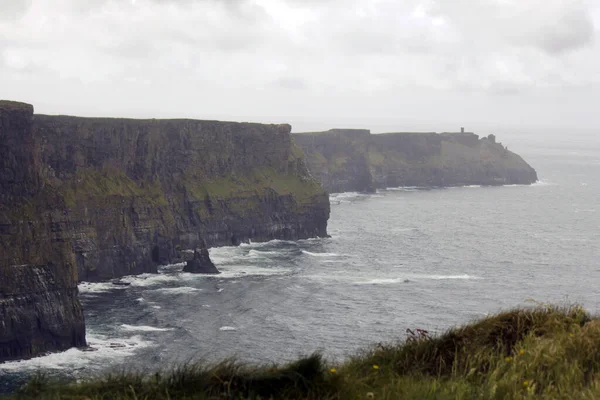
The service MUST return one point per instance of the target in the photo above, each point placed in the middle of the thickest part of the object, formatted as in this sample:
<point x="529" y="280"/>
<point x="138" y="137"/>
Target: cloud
<point x="293" y="56"/>
<point x="13" y="9"/>
<point x="554" y="26"/>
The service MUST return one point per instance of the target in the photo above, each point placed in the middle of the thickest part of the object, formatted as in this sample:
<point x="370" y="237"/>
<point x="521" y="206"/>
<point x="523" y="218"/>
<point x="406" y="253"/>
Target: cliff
<point x="355" y="160"/>
<point x="99" y="198"/>
<point x="39" y="309"/>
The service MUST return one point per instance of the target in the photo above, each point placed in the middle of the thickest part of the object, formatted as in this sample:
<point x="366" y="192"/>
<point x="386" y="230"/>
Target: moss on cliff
<point x="354" y="160"/>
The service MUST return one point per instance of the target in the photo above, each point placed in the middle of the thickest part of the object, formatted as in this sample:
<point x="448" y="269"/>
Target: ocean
<point x="402" y="258"/>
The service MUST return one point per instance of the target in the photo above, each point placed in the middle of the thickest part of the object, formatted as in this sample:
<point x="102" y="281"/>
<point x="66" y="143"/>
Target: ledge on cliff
<point x="355" y="160"/>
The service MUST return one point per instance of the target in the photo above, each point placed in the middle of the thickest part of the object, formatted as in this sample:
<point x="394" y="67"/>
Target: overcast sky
<point x="315" y="63"/>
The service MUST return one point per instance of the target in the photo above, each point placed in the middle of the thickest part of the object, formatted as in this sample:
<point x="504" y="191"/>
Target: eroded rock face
<point x="200" y="263"/>
<point x="39" y="311"/>
<point x="39" y="308"/>
<point x="97" y="198"/>
<point x="355" y="160"/>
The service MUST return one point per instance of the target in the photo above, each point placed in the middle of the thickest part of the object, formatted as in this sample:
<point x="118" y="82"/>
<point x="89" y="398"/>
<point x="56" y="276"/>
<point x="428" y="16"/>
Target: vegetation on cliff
<point x="99" y="198"/>
<point x="355" y="160"/>
<point x="544" y="352"/>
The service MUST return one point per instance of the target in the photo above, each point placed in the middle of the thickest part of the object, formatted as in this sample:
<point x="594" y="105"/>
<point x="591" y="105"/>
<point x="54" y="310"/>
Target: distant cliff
<point x="355" y="160"/>
<point x="98" y="198"/>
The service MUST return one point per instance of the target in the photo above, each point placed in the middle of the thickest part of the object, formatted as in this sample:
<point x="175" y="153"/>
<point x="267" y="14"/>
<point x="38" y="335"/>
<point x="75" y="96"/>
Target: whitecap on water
<point x="409" y="278"/>
<point x="98" y="287"/>
<point x="143" y="328"/>
<point x="179" y="290"/>
<point x="273" y="242"/>
<point x="145" y="280"/>
<point x="227" y="328"/>
<point x="404" y="189"/>
<point x="238" y="271"/>
<point x="543" y="182"/>
<point x="102" y="351"/>
<point x="262" y="253"/>
<point x="308" y="253"/>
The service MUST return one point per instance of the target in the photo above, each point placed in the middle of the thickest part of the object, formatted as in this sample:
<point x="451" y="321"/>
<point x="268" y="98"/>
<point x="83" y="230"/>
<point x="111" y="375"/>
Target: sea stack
<point x="201" y="263"/>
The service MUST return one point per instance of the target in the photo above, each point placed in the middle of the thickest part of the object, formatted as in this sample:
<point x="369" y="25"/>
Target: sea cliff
<point x="98" y="198"/>
<point x="355" y="160"/>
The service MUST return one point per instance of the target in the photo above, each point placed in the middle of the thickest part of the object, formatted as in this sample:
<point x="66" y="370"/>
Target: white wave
<point x="319" y="254"/>
<point x="346" y="195"/>
<point x="472" y="186"/>
<point x="404" y="189"/>
<point x="543" y="182"/>
<point x="105" y="351"/>
<point x="145" y="280"/>
<point x="143" y="328"/>
<point x="157" y="307"/>
<point x="98" y="287"/>
<point x="240" y="271"/>
<point x="179" y="290"/>
<point x="409" y="278"/>
<point x="220" y="290"/>
<point x="140" y="299"/>
<point x="227" y="328"/>
<point x="382" y="281"/>
<point x="444" y="277"/>
<point x="269" y="243"/>
<point x="262" y="253"/>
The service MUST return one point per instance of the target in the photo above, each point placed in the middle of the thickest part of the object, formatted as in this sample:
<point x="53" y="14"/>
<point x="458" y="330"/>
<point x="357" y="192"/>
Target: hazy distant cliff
<point x="355" y="160"/>
<point x="93" y="199"/>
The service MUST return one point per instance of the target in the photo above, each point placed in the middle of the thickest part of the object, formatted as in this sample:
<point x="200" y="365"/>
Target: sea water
<point x="402" y="258"/>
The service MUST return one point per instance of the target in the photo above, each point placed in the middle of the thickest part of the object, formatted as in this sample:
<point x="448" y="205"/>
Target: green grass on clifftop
<point x="544" y="352"/>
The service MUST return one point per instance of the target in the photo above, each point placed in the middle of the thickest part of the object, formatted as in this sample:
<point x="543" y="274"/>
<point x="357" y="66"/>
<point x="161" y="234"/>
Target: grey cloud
<point x="13" y="9"/>
<point x="572" y="30"/>
<point x="553" y="26"/>
<point x="291" y="83"/>
<point x="326" y="57"/>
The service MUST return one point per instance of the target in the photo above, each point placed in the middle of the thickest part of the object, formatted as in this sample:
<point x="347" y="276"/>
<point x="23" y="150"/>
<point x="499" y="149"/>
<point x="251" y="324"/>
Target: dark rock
<point x="95" y="199"/>
<point x="201" y="263"/>
<point x="355" y="160"/>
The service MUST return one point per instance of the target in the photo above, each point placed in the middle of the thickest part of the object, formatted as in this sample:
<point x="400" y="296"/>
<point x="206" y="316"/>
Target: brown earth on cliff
<point x="348" y="160"/>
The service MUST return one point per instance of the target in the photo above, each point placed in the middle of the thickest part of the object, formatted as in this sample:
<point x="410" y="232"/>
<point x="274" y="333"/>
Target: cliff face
<point x="137" y="189"/>
<point x="39" y="309"/>
<point x="353" y="160"/>
<point x="96" y="198"/>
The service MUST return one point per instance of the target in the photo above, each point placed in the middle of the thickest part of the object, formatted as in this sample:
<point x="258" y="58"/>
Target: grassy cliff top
<point x="7" y="105"/>
<point x="544" y="352"/>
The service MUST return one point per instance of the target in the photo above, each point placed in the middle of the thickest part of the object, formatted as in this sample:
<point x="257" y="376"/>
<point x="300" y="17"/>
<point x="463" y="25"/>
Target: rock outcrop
<point x="39" y="309"/>
<point x="98" y="198"/>
<point x="355" y="160"/>
<point x="201" y="263"/>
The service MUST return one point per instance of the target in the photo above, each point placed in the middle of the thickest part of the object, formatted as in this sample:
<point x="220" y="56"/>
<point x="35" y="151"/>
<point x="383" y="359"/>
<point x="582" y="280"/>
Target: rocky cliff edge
<point x="355" y="160"/>
<point x="99" y="198"/>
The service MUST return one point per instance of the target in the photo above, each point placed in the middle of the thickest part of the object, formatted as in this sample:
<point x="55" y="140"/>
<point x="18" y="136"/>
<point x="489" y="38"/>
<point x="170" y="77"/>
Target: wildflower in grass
<point x="521" y="352"/>
<point x="333" y="370"/>
<point x="370" y="395"/>
<point x="375" y="366"/>
<point x="571" y="335"/>
<point x="508" y="359"/>
<point x="525" y="383"/>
